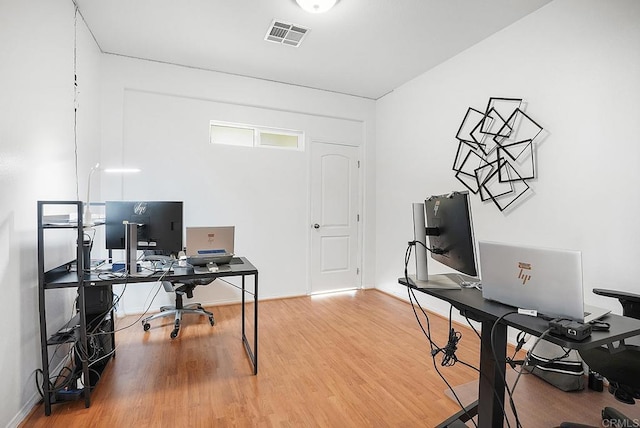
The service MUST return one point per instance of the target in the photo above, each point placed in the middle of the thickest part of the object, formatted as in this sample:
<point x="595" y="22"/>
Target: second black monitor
<point x="450" y="231"/>
<point x="160" y="225"/>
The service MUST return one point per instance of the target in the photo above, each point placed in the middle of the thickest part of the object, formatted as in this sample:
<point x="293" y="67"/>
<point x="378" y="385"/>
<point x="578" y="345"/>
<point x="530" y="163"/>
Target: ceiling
<point x="364" y="48"/>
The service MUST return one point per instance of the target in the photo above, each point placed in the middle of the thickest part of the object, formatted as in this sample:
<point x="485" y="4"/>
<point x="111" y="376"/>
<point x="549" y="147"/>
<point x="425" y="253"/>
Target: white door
<point x="334" y="217"/>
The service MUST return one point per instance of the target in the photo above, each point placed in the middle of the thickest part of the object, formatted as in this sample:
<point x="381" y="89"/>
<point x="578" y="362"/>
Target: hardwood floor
<point x="338" y="360"/>
<point x="357" y="360"/>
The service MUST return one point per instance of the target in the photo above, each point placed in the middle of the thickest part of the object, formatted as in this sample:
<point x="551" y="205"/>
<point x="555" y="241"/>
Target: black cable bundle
<point x="449" y="358"/>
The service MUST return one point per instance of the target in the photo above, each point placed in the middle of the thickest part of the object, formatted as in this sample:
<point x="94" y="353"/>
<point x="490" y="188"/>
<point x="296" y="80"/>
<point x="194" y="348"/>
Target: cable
<point x="434" y="348"/>
<point x="431" y="250"/>
<point x="472" y="327"/>
<point x="38" y="386"/>
<point x="75" y="97"/>
<point x="93" y="334"/>
<point x="53" y="383"/>
<point x="449" y="358"/>
<point x="115" y="302"/>
<point x="145" y="311"/>
<point x="427" y="333"/>
<point x="529" y="353"/>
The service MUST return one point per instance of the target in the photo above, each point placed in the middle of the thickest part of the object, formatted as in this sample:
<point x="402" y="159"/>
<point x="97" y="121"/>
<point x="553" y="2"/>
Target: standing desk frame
<point x="471" y="304"/>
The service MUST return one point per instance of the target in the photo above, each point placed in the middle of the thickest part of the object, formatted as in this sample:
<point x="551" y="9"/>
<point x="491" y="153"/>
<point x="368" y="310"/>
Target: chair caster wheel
<point x="174" y="333"/>
<point x="146" y="326"/>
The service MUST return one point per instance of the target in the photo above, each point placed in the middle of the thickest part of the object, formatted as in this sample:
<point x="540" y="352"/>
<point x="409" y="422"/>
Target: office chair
<point x="180" y="288"/>
<point x="622" y="369"/>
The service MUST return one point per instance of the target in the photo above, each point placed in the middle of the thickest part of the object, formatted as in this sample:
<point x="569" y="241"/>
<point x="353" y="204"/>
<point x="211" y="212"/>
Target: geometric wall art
<point x="497" y="150"/>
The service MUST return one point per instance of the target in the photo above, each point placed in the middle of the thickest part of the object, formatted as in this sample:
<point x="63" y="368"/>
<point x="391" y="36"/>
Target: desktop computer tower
<point x="98" y="301"/>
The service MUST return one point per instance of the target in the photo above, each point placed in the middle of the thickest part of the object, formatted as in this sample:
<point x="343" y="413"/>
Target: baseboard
<point x="210" y="304"/>
<point x="34" y="401"/>
<point x="25" y="411"/>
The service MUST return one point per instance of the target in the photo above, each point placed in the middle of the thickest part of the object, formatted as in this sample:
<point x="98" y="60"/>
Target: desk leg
<point x="491" y="389"/>
<point x="253" y="355"/>
<point x="459" y="419"/>
<point x="244" y="336"/>
<point x="255" y="324"/>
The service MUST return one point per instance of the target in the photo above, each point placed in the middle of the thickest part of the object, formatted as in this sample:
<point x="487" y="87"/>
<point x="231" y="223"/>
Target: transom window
<point x="237" y="134"/>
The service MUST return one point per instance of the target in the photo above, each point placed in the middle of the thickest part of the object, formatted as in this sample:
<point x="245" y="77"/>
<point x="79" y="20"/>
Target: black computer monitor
<point x="450" y="231"/>
<point x="159" y="225"/>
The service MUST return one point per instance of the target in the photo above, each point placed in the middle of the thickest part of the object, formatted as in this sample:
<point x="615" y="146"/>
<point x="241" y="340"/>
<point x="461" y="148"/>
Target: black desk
<point x="242" y="267"/>
<point x="470" y="303"/>
<point x="63" y="278"/>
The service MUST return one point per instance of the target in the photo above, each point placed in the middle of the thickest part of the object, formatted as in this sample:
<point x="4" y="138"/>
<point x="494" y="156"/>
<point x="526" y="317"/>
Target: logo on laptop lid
<point x="525" y="272"/>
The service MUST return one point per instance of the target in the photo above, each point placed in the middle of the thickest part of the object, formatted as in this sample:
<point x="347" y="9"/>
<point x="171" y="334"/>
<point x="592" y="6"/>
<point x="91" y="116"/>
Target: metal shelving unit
<point x="64" y="276"/>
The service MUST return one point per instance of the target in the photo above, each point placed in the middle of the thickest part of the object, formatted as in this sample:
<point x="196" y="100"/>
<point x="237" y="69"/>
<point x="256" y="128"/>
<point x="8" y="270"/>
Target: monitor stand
<point x="131" y="248"/>
<point x="441" y="282"/>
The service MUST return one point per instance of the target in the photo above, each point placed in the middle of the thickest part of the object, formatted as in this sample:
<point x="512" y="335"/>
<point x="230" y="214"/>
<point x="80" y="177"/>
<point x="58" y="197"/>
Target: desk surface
<point x="62" y="278"/>
<point x="471" y="303"/>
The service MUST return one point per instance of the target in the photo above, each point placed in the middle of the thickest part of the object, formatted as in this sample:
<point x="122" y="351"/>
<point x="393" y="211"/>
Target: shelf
<point x="60" y="276"/>
<point x="69" y="225"/>
<point x="73" y="336"/>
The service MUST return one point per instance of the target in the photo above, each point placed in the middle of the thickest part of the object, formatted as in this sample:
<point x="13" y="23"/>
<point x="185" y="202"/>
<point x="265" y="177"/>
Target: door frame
<point x="359" y="205"/>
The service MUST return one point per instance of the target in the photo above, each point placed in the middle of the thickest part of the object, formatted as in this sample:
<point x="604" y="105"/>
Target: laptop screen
<point x="204" y="239"/>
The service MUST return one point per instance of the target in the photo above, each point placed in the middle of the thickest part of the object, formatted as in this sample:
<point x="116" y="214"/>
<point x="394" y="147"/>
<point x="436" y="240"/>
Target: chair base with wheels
<point x="180" y="288"/>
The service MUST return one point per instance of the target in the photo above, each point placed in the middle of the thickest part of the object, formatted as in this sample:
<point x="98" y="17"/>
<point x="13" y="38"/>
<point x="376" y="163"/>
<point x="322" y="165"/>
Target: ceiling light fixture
<point x="316" y="6"/>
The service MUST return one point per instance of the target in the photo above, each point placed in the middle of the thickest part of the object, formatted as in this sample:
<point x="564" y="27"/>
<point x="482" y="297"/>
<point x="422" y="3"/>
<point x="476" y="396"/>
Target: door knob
<point x="316" y="226"/>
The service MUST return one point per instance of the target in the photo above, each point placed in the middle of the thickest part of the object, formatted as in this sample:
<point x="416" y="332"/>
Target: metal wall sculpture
<point x="496" y="151"/>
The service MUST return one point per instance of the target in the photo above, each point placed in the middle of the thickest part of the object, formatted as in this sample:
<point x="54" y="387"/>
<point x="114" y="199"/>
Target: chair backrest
<point x="620" y="367"/>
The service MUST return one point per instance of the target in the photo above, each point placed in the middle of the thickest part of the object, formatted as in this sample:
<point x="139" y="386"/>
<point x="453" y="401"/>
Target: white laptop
<point x="546" y="280"/>
<point x="204" y="239"/>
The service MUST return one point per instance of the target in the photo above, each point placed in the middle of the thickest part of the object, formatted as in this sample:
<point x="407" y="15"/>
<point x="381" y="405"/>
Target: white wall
<point x="156" y="117"/>
<point x="576" y="63"/>
<point x="37" y="161"/>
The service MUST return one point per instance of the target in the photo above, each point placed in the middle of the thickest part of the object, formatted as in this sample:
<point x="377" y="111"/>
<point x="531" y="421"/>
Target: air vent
<point x="285" y="33"/>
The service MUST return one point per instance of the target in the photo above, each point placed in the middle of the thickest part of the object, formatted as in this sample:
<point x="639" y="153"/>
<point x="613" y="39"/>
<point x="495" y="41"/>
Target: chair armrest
<point x="617" y="294"/>
<point x="630" y="302"/>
